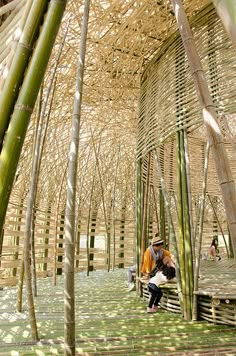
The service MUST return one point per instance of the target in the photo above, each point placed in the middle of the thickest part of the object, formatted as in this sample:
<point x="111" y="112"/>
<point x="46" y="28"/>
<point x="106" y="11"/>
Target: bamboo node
<point x="24" y="108"/>
<point x="25" y="45"/>
<point x="227" y="182"/>
<point x="189" y="38"/>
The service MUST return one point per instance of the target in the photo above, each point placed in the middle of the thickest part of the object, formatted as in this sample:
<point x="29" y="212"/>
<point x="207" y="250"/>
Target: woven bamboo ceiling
<point x="123" y="36"/>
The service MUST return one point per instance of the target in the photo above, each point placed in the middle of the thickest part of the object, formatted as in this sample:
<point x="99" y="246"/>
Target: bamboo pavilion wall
<point x="48" y="242"/>
<point x="168" y="103"/>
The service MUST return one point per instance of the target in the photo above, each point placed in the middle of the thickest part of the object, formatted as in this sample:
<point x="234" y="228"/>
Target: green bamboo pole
<point x="226" y="10"/>
<point x="186" y="229"/>
<point x="17" y="238"/>
<point x="20" y="286"/>
<point x="172" y="232"/>
<point x="161" y="200"/>
<point x="145" y="209"/>
<point x="155" y="208"/>
<point x="15" y="135"/>
<point x="10" y="57"/>
<point x="89" y="217"/>
<point x="108" y="235"/>
<point x="122" y="228"/>
<point x="200" y="227"/>
<point x="189" y="194"/>
<point x="54" y="280"/>
<point x="17" y="70"/>
<point x="113" y="209"/>
<point x="138" y="206"/>
<point x="69" y="295"/>
<point x="219" y="153"/>
<point x="180" y="207"/>
<point x="32" y="251"/>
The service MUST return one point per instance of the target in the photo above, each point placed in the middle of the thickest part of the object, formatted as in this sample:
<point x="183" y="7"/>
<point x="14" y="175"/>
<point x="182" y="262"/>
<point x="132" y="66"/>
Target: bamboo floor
<point x="218" y="278"/>
<point x="109" y="321"/>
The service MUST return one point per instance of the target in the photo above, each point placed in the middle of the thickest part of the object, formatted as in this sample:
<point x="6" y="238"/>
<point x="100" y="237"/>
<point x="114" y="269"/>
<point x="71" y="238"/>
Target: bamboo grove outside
<point x="169" y="167"/>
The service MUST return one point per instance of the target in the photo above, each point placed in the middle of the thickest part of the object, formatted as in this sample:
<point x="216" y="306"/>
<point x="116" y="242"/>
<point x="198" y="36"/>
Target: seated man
<point x="154" y="253"/>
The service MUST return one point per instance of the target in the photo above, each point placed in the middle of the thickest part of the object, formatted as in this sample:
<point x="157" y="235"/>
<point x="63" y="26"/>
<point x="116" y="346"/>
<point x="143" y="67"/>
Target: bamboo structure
<point x="140" y="97"/>
<point x="210" y="119"/>
<point x="69" y="311"/>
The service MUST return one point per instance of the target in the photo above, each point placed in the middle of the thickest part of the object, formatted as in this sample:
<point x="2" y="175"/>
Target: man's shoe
<point x="155" y="307"/>
<point x="151" y="310"/>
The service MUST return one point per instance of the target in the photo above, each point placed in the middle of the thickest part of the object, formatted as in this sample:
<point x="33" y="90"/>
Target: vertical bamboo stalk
<point x="138" y="206"/>
<point x="14" y="138"/>
<point x="189" y="194"/>
<point x="172" y="231"/>
<point x="32" y="251"/>
<point x="89" y="217"/>
<point x="180" y="207"/>
<point x="104" y="208"/>
<point x="199" y="240"/>
<point x="187" y="231"/>
<point x="56" y="225"/>
<point x="113" y="210"/>
<point x="145" y="208"/>
<point x="69" y="297"/>
<point x="19" y="64"/>
<point x="20" y="286"/>
<point x="227" y="12"/>
<point x="17" y="239"/>
<point x="17" y="38"/>
<point x="162" y="227"/>
<point x="222" y="164"/>
<point x="155" y="207"/>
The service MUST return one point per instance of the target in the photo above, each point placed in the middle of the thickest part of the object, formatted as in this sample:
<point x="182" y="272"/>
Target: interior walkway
<point x="110" y="321"/>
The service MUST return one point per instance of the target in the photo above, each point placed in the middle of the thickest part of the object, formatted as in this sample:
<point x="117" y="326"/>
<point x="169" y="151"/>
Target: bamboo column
<point x="155" y="208"/>
<point x="88" y="242"/>
<point x="69" y="295"/>
<point x="19" y="64"/>
<point x="138" y="206"/>
<point x="54" y="279"/>
<point x="172" y="231"/>
<point x="108" y="234"/>
<point x="210" y="120"/>
<point x="145" y="209"/>
<point x="14" y="138"/>
<point x="162" y="227"/>
<point x="113" y="209"/>
<point x="200" y="226"/>
<point x="227" y="12"/>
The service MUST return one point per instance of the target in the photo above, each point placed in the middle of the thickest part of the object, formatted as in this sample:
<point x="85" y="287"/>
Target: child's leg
<point x="153" y="297"/>
<point x="158" y="297"/>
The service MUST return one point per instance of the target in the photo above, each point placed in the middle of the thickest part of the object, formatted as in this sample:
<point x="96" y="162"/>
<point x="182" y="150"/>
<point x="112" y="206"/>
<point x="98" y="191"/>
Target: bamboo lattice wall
<point x="168" y="104"/>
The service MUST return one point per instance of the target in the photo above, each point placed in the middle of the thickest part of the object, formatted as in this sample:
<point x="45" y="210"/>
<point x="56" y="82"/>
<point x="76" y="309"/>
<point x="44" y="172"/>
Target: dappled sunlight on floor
<point x="109" y="320"/>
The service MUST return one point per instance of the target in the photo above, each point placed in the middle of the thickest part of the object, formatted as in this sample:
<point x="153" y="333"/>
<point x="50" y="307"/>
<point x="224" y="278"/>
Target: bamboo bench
<point x="169" y="300"/>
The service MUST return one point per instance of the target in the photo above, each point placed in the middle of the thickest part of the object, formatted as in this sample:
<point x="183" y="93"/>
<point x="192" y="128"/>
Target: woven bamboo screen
<point x="168" y="103"/>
